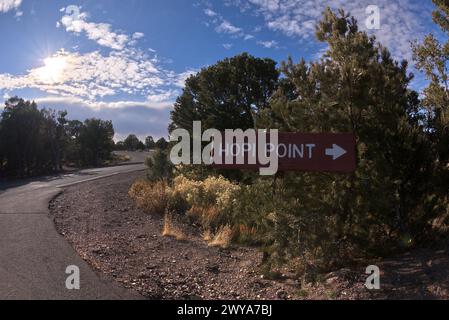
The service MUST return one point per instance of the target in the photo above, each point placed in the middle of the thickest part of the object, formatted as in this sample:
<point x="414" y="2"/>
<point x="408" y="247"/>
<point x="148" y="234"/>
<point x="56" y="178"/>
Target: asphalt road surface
<point x="33" y="256"/>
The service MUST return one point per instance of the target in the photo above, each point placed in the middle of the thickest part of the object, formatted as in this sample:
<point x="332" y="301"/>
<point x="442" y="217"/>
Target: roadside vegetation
<point x="37" y="141"/>
<point x="132" y="143"/>
<point x="396" y="200"/>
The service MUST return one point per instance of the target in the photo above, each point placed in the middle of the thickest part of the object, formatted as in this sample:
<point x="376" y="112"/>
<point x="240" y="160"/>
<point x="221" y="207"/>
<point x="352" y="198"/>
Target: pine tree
<point x="432" y="57"/>
<point x="227" y="94"/>
<point x="356" y="87"/>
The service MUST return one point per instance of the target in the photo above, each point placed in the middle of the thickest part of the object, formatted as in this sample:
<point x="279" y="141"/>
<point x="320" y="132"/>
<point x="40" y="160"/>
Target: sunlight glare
<point x="53" y="70"/>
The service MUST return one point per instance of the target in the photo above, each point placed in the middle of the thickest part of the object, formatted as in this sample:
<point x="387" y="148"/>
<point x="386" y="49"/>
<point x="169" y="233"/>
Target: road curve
<point x="33" y="256"/>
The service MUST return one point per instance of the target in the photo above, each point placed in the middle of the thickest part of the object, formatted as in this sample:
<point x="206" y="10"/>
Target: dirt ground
<point x="124" y="244"/>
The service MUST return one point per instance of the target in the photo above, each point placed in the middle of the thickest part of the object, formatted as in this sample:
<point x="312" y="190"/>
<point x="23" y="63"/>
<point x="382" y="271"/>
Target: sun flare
<point x="53" y="69"/>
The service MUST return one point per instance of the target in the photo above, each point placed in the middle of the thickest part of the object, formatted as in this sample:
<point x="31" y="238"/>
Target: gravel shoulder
<point x="124" y="244"/>
<point x="121" y="241"/>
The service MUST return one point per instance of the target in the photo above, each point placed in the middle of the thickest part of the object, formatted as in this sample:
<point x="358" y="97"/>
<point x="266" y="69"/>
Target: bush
<point x="280" y="217"/>
<point x="159" y="166"/>
<point x="210" y="201"/>
<point x="151" y="197"/>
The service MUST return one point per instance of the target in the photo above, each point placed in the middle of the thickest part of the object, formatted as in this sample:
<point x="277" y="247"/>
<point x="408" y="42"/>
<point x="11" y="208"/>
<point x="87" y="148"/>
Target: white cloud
<point x="150" y="103"/>
<point x="99" y="32"/>
<point x="227" y="46"/>
<point x="179" y="80"/>
<point x="141" y="118"/>
<point x="269" y="44"/>
<point x="164" y="97"/>
<point x="138" y="35"/>
<point x="243" y="5"/>
<point x="227" y="27"/>
<point x="224" y="26"/>
<point x="210" y="13"/>
<point x="7" y="5"/>
<point x="92" y="75"/>
<point x="401" y="21"/>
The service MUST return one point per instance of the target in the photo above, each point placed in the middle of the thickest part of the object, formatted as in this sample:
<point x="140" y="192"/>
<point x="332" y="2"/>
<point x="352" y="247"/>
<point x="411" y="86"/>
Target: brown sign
<point x="309" y="152"/>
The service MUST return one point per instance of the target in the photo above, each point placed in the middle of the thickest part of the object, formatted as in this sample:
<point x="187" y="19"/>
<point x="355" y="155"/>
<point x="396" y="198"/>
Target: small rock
<point x="213" y="268"/>
<point x="281" y="294"/>
<point x="332" y="280"/>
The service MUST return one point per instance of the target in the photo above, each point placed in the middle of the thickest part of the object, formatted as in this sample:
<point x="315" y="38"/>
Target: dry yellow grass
<point x="207" y="216"/>
<point x="206" y="202"/>
<point x="207" y="235"/>
<point x="151" y="197"/>
<point x="172" y="231"/>
<point x="222" y="238"/>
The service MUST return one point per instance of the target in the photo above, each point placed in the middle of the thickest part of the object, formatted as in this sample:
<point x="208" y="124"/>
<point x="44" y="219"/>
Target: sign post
<point x="314" y="152"/>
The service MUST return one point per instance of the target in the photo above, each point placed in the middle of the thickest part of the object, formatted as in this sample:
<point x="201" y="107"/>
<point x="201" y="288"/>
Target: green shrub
<point x="159" y="166"/>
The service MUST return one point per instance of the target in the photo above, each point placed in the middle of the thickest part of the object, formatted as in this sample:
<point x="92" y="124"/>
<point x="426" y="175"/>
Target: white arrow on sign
<point x="336" y="152"/>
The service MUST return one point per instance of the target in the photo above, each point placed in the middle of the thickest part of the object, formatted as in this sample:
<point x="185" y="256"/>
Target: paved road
<point x="33" y="256"/>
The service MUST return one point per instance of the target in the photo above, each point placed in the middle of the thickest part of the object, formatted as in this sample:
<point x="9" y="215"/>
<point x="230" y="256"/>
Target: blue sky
<point x="126" y="60"/>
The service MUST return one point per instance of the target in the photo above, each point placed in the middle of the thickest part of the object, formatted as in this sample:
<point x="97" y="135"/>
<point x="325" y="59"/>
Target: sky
<point x="127" y="61"/>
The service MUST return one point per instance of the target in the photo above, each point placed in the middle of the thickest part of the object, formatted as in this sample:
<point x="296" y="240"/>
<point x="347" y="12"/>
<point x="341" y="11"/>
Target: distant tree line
<point x="37" y="141"/>
<point x="132" y="143"/>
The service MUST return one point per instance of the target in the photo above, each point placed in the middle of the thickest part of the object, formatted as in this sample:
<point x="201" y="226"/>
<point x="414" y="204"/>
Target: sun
<point x="53" y="69"/>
